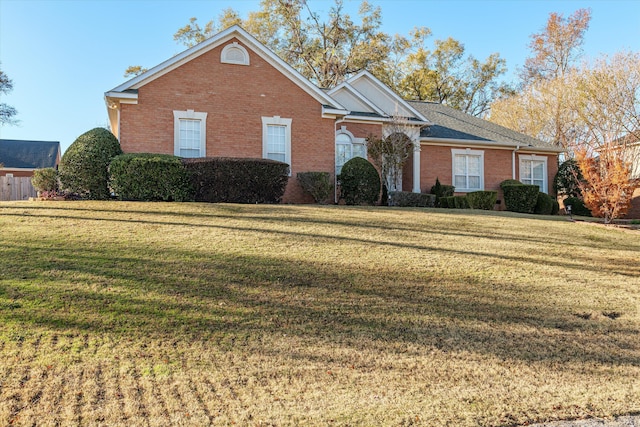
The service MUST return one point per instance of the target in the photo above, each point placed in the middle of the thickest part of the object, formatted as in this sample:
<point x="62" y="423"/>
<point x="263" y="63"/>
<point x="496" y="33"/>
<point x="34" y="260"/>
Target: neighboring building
<point x="231" y="96"/>
<point x="20" y="158"/>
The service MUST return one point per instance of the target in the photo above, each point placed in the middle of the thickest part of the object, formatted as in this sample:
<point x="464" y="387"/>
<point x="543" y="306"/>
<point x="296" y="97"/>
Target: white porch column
<point x="416" y="165"/>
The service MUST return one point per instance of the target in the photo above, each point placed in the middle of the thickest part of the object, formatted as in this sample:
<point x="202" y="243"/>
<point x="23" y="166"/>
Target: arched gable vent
<point x="234" y="53"/>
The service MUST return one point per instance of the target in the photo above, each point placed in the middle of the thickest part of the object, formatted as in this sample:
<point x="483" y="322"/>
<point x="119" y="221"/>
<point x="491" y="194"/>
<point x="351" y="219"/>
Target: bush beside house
<point x="317" y="184"/>
<point x="236" y="180"/>
<point x="359" y="182"/>
<point x="84" y="166"/>
<point x="150" y="177"/>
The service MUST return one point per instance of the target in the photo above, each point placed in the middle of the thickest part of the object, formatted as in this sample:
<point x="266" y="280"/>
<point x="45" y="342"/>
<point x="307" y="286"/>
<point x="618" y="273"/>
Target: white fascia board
<point x="328" y="112"/>
<point x="489" y="144"/>
<point x="17" y="169"/>
<point x="385" y="89"/>
<point x="215" y="41"/>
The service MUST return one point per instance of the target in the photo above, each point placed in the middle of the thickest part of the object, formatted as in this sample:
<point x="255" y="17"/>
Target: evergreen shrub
<point x="237" y="180"/>
<point x="84" y="166"/>
<point x="150" y="177"/>
<point x="577" y="206"/>
<point x="544" y="204"/>
<point x="359" y="182"/>
<point x="460" y="202"/>
<point x="520" y="197"/>
<point x="485" y="200"/>
<point x="45" y="179"/>
<point x="317" y="184"/>
<point x="409" y="199"/>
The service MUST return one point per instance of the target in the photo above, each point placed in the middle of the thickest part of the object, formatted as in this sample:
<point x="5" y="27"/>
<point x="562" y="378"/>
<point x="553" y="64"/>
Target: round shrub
<point x="544" y="204"/>
<point x="84" y="166"/>
<point x="359" y="182"/>
<point x="150" y="177"/>
<point x="577" y="206"/>
<point x="45" y="179"/>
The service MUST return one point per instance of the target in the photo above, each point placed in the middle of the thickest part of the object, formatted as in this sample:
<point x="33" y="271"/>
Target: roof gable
<point x="23" y="154"/>
<point x="377" y="95"/>
<point x="234" y="32"/>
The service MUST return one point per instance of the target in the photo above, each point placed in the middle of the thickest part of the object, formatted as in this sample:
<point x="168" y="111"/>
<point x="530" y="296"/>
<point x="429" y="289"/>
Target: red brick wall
<point x="435" y="162"/>
<point x="235" y="98"/>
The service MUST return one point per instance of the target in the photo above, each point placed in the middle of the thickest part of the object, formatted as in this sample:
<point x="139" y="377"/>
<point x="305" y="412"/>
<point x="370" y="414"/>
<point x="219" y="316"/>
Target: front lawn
<point x="116" y="313"/>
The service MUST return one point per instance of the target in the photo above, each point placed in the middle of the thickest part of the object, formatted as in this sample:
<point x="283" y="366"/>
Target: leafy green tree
<point x="7" y="112"/>
<point x="84" y="166"/>
<point x="447" y="76"/>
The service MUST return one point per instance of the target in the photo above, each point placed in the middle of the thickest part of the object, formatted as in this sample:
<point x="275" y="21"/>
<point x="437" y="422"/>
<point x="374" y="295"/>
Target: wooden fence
<point x="16" y="188"/>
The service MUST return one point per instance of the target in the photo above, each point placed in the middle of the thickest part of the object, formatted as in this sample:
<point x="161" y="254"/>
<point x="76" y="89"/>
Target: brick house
<point x="231" y="96"/>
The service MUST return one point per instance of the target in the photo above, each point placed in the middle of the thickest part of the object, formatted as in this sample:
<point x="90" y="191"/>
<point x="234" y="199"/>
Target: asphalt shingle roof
<point x="449" y="123"/>
<point x="28" y="154"/>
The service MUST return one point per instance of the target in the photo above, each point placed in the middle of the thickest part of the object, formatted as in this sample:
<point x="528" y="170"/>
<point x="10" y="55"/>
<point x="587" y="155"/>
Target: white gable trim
<point x="217" y="40"/>
<point x="358" y="96"/>
<point x="386" y="91"/>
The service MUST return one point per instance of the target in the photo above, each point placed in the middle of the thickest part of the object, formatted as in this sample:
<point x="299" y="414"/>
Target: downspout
<point x="513" y="162"/>
<point x="335" y="175"/>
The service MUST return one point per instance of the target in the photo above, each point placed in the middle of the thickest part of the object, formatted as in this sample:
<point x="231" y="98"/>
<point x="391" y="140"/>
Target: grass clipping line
<point x="200" y="314"/>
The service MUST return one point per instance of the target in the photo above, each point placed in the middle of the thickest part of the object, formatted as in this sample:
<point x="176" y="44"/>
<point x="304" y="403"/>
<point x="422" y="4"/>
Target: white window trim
<point x="277" y="121"/>
<point x="467" y="152"/>
<point x="354" y="141"/>
<point x="234" y="45"/>
<point x="533" y="157"/>
<point x="190" y="115"/>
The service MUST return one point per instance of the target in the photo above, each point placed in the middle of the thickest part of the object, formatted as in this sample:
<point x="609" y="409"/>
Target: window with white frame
<point x="190" y="133"/>
<point x="533" y="171"/>
<point x="468" y="169"/>
<point x="276" y="139"/>
<point x="234" y="53"/>
<point x="348" y="147"/>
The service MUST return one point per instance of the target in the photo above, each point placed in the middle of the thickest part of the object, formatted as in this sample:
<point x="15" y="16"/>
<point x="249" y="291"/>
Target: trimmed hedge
<point x="520" y="197"/>
<point x="544" y="204"/>
<point x="460" y="202"/>
<point x="577" y="206"/>
<point x="236" y="180"/>
<point x="510" y="182"/>
<point x="485" y="200"/>
<point x="447" y="202"/>
<point x="359" y="182"/>
<point x="84" y="166"/>
<point x="317" y="184"/>
<point x="556" y="207"/>
<point x="150" y="177"/>
<point x="408" y="199"/>
<point x="441" y="191"/>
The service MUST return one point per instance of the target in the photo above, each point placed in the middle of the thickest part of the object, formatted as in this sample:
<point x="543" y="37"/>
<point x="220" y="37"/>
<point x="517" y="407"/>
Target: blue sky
<point x="62" y="55"/>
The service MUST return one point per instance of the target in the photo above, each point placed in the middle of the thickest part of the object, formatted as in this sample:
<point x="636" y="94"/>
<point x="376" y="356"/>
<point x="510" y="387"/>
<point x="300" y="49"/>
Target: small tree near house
<point x="390" y="153"/>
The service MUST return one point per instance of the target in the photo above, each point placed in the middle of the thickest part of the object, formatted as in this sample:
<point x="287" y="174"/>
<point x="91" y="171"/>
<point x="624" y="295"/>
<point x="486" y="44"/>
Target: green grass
<point x="195" y="314"/>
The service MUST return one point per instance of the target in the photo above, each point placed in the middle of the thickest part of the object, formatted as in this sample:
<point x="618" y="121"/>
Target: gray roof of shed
<point x="449" y="123"/>
<point x="28" y="154"/>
